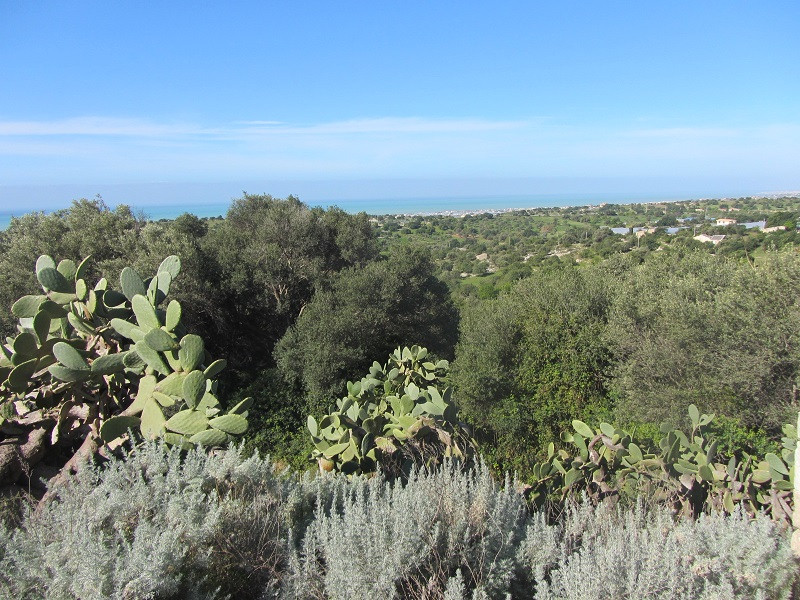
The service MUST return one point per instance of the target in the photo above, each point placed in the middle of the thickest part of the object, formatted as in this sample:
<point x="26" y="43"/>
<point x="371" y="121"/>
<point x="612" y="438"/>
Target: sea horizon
<point x="417" y="205"/>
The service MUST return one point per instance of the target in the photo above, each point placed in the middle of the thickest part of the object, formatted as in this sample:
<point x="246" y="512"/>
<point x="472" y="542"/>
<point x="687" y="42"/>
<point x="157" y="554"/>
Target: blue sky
<point x="345" y="99"/>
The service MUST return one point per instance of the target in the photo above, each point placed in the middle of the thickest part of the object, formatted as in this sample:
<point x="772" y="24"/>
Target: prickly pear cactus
<point x="395" y="418"/>
<point x="98" y="361"/>
<point x="682" y="470"/>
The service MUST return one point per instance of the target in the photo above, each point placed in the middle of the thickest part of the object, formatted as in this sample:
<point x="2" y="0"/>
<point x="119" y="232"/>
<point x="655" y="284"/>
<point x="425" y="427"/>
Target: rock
<point x="10" y="464"/>
<point x="35" y="446"/>
<point x="20" y="454"/>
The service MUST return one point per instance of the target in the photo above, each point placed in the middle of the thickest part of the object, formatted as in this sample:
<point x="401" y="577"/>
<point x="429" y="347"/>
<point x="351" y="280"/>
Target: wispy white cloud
<point x="258" y="123"/>
<point x="773" y="130"/>
<point x="104" y="126"/>
<point x="682" y="132"/>
<point x="91" y="126"/>
<point x="91" y="147"/>
<point x="411" y="125"/>
<point x="128" y="150"/>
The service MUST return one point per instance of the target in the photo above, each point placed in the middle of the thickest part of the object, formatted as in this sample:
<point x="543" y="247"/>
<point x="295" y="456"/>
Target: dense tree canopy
<point x="87" y="227"/>
<point x="639" y="339"/>
<point x="716" y="332"/>
<point x="533" y="360"/>
<point x="272" y="256"/>
<point x="246" y="277"/>
<point x="366" y="313"/>
<point x="561" y="318"/>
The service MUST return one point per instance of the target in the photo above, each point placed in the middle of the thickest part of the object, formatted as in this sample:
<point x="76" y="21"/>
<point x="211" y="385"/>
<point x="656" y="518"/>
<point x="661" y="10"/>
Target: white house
<point x="714" y="239"/>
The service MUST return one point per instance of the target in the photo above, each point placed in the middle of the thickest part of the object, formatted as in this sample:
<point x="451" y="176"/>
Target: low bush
<point x="685" y="472"/>
<point x="169" y="524"/>
<point x="381" y="540"/>
<point x="397" y="418"/>
<point x="640" y="552"/>
<point x="158" y="524"/>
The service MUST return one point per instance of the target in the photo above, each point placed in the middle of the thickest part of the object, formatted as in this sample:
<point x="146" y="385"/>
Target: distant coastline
<point x="454" y="206"/>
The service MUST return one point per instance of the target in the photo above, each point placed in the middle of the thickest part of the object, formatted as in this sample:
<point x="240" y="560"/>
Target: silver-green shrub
<point x="160" y="524"/>
<point x="170" y="525"/>
<point x="610" y="552"/>
<point x="381" y="540"/>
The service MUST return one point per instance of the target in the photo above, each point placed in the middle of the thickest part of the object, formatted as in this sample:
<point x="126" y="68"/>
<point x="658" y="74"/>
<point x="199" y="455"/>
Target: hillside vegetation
<point x="619" y="375"/>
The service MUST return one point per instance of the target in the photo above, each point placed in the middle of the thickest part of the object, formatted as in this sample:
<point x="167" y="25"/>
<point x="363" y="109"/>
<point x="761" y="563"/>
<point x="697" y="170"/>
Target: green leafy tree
<point x="533" y="360"/>
<point x="720" y="333"/>
<point x="88" y="227"/>
<point x="787" y="219"/>
<point x="365" y="313"/>
<point x="272" y="255"/>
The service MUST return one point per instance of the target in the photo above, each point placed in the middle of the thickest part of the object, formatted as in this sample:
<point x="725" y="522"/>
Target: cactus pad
<point x="187" y="422"/>
<point x="191" y="352"/>
<point x="116" y="427"/>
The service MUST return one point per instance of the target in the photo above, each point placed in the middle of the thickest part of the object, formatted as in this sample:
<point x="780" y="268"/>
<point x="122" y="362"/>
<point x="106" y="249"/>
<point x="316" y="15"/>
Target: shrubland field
<point x="577" y="402"/>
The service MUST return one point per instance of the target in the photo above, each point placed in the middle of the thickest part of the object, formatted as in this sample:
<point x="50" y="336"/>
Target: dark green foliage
<point x="783" y="218"/>
<point x="277" y="420"/>
<point x="733" y="438"/>
<point x="366" y="313"/>
<point x="272" y="255"/>
<point x="547" y="337"/>
<point x="198" y="286"/>
<point x="86" y="228"/>
<point x="533" y="360"/>
<point x="246" y="277"/>
<point x="637" y="335"/>
<point x="551" y="339"/>
<point x="720" y="333"/>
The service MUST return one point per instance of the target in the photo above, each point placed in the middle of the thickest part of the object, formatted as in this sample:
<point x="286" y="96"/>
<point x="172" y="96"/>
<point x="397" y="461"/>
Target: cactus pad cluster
<point x="682" y="470"/>
<point x="396" y="418"/>
<point x="112" y="361"/>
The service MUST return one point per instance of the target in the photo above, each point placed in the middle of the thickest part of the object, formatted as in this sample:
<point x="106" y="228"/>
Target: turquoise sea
<point x="420" y="205"/>
<point x="410" y="205"/>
